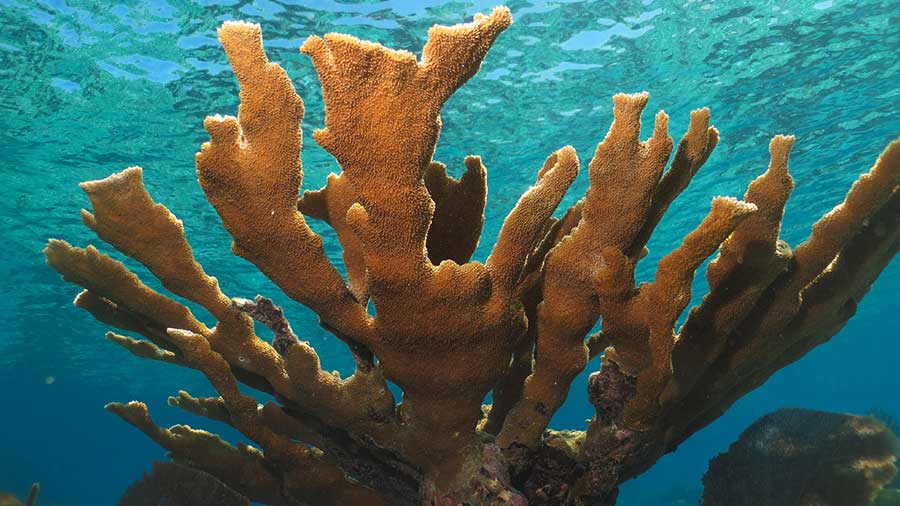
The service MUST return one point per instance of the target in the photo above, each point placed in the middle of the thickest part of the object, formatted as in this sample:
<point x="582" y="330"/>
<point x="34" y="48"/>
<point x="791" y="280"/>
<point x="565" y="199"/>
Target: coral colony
<point x="798" y="456"/>
<point x="447" y="331"/>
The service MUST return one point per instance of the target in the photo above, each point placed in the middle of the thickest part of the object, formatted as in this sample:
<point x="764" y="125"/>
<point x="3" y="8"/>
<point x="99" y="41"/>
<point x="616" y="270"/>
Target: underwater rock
<point x="447" y="330"/>
<point x="173" y="484"/>
<point x="803" y="457"/>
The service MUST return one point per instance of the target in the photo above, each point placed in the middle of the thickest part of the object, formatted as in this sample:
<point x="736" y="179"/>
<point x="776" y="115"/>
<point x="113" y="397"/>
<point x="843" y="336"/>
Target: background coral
<point x="796" y="456"/>
<point x="173" y="484"/>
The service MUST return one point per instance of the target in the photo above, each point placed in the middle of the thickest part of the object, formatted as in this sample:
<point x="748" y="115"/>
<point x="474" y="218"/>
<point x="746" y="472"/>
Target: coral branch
<point x="693" y="151"/>
<point x="243" y="468"/>
<point x="145" y="349"/>
<point x="120" y="317"/>
<point x="623" y="174"/>
<point x="660" y="303"/>
<point x="119" y="202"/>
<point x="749" y="325"/>
<point x="322" y="482"/>
<point x="118" y="297"/>
<point x="829" y="235"/>
<point x="251" y="172"/>
<point x="330" y="204"/>
<point x="110" y="279"/>
<point x="522" y="228"/>
<point x="362" y="401"/>
<point x="31" y="500"/>
<point x="750" y="258"/>
<point x="159" y="243"/>
<point x="213" y="408"/>
<point x="761" y="345"/>
<point x="385" y="152"/>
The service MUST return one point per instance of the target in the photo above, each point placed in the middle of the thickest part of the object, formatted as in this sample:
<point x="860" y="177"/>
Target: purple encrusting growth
<point x="263" y="310"/>
<point x="609" y="390"/>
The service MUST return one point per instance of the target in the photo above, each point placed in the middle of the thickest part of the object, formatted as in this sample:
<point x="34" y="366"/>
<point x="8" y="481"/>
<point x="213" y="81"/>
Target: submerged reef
<point x="446" y="330"/>
<point x="797" y="456"/>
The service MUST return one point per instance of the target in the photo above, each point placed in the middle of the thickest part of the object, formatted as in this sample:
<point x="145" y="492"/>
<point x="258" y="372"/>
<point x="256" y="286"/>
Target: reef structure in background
<point x="446" y="330"/>
<point x="799" y="456"/>
<point x="173" y="484"/>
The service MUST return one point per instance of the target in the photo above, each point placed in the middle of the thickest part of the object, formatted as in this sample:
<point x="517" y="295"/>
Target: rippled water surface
<point x="89" y="88"/>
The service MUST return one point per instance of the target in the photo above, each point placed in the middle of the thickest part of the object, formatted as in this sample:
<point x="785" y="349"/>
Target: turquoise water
<point x="89" y="88"/>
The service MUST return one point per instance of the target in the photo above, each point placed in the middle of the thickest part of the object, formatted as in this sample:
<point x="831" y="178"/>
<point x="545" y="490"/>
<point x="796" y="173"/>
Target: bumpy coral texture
<point x="448" y="331"/>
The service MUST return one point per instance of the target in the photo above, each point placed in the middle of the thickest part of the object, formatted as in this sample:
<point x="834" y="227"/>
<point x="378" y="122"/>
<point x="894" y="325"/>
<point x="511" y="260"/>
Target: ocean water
<point x="88" y="88"/>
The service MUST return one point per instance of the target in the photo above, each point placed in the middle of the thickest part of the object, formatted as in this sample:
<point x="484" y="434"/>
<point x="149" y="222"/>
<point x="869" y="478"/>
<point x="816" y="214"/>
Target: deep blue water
<point x="88" y="88"/>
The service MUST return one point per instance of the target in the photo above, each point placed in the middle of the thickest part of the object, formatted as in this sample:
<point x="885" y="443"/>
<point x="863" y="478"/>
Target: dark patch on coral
<point x="546" y="477"/>
<point x="363" y="461"/>
<point x="263" y="310"/>
<point x="609" y="390"/>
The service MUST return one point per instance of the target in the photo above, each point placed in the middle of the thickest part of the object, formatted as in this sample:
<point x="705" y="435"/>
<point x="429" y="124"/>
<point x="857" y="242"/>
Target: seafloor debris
<point x="446" y="330"/>
<point x="798" y="457"/>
